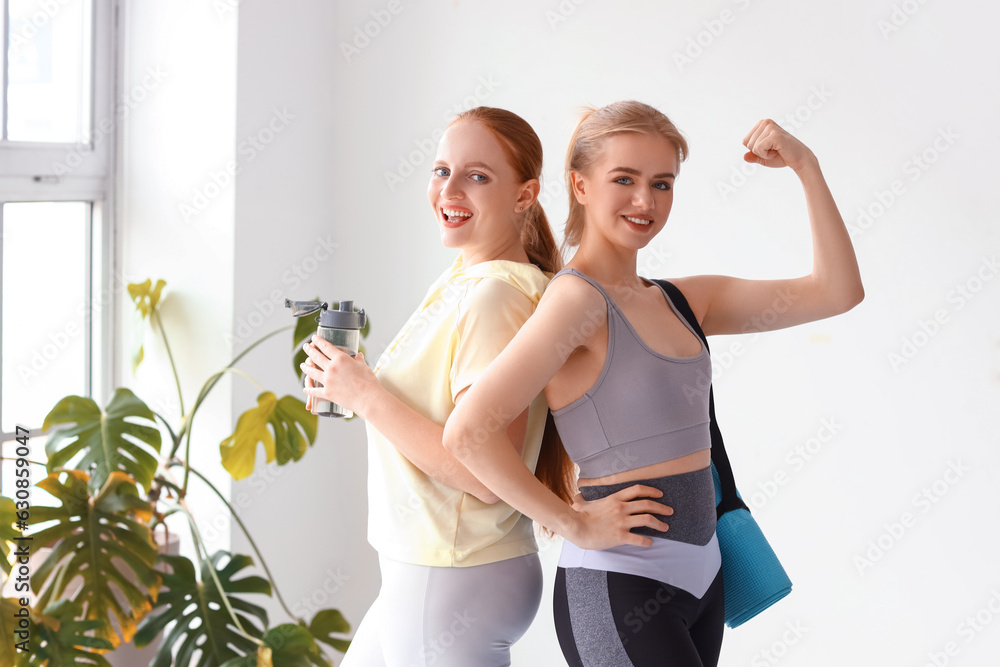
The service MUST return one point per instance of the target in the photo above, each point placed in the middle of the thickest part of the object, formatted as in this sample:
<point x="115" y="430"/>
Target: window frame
<point x="84" y="172"/>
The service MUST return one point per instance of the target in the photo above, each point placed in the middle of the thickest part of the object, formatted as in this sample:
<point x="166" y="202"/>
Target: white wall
<point x="176" y="112"/>
<point x="878" y="99"/>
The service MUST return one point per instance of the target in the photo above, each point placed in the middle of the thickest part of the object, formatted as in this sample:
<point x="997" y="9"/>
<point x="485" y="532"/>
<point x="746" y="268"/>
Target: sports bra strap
<point x="574" y="272"/>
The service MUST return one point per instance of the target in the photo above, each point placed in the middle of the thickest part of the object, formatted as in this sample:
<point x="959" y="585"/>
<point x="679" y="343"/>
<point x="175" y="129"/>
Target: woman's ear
<point x="528" y="194"/>
<point x="579" y="185"/>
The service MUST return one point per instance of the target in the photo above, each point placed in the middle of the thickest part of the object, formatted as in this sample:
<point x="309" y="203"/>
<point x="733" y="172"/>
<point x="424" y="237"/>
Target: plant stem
<point x="210" y="384"/>
<point x="187" y="447"/>
<point x="37" y="463"/>
<point x="174" y="438"/>
<point x="170" y="356"/>
<point x="253" y="544"/>
<point x="199" y="547"/>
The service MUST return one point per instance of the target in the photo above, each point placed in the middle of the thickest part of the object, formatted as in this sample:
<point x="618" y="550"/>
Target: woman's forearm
<point x="420" y="441"/>
<point x="835" y="265"/>
<point x="488" y="454"/>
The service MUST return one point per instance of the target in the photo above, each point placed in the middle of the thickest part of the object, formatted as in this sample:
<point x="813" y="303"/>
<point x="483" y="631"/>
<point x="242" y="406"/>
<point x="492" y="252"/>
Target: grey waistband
<point x="690" y="494"/>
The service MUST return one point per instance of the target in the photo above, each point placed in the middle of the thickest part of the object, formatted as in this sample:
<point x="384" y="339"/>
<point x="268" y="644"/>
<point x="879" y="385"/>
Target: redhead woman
<point x="623" y="374"/>
<point x="461" y="580"/>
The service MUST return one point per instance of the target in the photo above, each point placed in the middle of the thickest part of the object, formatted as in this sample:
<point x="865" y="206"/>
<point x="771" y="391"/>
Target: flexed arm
<point x="726" y="305"/>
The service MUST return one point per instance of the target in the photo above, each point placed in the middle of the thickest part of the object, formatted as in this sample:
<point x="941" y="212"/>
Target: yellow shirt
<point x="464" y="322"/>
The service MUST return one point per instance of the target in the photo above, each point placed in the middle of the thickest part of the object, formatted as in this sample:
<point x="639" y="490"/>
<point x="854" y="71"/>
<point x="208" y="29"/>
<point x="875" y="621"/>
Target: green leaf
<point x="113" y="440"/>
<point x="146" y="301"/>
<point x="287" y="645"/>
<point x="8" y="517"/>
<point x="292" y="645"/>
<point x="327" y="622"/>
<point x="294" y="428"/>
<point x="59" y="638"/>
<point x="202" y="621"/>
<point x="8" y="624"/>
<point x="239" y="450"/>
<point x="137" y="352"/>
<point x="95" y="539"/>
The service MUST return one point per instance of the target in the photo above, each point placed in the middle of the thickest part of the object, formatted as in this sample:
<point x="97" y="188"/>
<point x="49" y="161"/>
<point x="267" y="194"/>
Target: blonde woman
<point x="624" y="376"/>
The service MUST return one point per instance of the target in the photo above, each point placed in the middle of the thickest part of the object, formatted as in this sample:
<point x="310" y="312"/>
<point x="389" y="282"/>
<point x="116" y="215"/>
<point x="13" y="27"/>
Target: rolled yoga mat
<point x="752" y="576"/>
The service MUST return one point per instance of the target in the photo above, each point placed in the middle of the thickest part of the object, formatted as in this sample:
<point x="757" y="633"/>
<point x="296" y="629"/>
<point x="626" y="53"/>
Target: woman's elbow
<point x="456" y="443"/>
<point x="455" y="439"/>
<point x="852" y="297"/>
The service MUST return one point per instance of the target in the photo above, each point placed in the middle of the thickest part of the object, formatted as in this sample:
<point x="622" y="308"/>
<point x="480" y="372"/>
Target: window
<point x="57" y="130"/>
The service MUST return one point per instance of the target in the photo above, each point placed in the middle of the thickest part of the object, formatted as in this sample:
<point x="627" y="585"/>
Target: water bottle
<point x="341" y="327"/>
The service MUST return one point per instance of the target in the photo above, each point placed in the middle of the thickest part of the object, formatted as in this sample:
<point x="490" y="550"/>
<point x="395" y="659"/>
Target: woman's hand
<point x="346" y="380"/>
<point x="606" y="522"/>
<point x="772" y="146"/>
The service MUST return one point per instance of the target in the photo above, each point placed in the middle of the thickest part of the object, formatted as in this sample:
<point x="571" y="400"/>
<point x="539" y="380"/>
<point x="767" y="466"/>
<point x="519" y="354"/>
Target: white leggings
<point x="447" y="616"/>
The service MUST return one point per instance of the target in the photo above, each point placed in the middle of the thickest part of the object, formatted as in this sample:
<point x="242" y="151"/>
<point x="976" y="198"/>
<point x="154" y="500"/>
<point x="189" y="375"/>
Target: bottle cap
<point x="345" y="317"/>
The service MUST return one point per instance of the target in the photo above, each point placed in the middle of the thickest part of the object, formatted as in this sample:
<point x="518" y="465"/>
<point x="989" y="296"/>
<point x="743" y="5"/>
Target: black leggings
<point x="623" y="620"/>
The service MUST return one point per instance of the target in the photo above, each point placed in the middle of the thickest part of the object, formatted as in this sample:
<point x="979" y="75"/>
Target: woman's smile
<point x="455" y="216"/>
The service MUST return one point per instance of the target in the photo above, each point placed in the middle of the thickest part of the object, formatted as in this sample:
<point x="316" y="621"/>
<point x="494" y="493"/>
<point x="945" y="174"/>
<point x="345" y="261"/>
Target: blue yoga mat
<point x="753" y="578"/>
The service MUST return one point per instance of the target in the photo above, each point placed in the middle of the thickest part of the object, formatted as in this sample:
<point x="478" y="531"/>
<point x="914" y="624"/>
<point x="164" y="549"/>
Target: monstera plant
<point x="117" y="473"/>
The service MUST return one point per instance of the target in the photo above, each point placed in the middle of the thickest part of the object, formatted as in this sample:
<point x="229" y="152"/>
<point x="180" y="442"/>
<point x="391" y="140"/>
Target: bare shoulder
<point x="699" y="291"/>
<point x="570" y="312"/>
<point x="568" y="291"/>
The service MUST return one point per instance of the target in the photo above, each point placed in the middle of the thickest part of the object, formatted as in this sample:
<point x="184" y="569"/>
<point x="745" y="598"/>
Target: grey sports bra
<point x="644" y="408"/>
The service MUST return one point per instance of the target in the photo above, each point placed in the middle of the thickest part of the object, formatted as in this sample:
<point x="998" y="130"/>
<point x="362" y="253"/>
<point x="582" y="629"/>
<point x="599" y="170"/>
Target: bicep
<point x="727" y="305"/>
